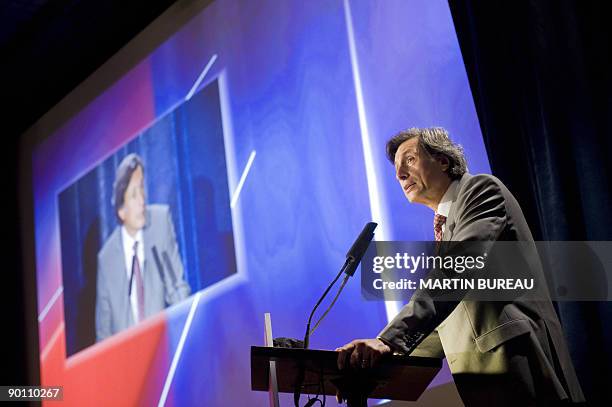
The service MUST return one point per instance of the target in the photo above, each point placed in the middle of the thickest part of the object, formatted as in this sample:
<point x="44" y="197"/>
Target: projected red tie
<point x="139" y="286"/>
<point x="439" y="220"/>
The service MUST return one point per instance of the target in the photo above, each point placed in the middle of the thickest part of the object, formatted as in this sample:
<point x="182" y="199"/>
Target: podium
<point x="394" y="377"/>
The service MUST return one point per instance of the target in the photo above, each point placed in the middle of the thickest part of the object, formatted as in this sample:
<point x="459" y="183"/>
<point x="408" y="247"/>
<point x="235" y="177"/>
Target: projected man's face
<point x="132" y="213"/>
<point x="421" y="175"/>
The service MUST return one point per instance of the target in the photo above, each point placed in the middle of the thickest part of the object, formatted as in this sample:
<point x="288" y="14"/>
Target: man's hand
<point x="361" y="353"/>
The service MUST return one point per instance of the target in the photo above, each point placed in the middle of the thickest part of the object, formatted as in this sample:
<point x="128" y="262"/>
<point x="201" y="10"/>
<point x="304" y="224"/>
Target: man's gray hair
<point x="435" y="141"/>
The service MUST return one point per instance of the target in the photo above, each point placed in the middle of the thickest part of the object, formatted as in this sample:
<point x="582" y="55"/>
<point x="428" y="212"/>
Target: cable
<point x="330" y="305"/>
<point x="307" y="335"/>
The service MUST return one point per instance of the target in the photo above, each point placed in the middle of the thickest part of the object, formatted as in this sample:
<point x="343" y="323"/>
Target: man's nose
<point x="403" y="174"/>
<point x="141" y="198"/>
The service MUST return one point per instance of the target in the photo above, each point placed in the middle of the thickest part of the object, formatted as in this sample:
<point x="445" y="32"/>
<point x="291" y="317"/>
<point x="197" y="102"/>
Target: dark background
<point x="47" y="48"/>
<point x="541" y="80"/>
<point x="540" y="73"/>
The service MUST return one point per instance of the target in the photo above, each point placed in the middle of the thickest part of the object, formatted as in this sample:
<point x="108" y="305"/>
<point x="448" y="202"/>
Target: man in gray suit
<point x="139" y="267"/>
<point x="501" y="353"/>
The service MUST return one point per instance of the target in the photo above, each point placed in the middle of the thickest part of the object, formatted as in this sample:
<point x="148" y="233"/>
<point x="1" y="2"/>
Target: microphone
<point x="166" y="258"/>
<point x="356" y="252"/>
<point x="353" y="257"/>
<point x="160" y="268"/>
<point x="131" y="280"/>
<point x="134" y="260"/>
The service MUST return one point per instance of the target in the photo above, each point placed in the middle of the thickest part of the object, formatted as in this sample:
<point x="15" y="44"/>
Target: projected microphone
<point x="166" y="258"/>
<point x="131" y="280"/>
<point x="158" y="263"/>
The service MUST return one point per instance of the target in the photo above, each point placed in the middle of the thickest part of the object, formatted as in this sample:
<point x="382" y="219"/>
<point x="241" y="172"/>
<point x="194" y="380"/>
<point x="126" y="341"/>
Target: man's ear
<point x="444" y="161"/>
<point x="121" y="213"/>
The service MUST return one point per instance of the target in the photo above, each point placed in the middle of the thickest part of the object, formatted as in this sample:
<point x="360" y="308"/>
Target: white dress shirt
<point x="128" y="253"/>
<point x="447" y="200"/>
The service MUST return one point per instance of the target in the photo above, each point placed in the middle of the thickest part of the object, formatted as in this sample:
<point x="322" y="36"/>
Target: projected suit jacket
<point x="164" y="283"/>
<point x="483" y="339"/>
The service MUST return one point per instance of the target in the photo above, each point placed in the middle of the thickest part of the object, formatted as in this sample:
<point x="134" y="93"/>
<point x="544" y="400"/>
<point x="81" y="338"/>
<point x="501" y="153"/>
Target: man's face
<point x="421" y="175"/>
<point x="132" y="213"/>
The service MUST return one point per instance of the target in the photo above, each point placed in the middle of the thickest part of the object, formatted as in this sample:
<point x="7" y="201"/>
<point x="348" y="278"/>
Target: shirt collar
<point x="448" y="198"/>
<point x="128" y="241"/>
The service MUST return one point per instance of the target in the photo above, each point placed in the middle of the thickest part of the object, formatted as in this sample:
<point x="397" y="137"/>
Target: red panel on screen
<point x="115" y="372"/>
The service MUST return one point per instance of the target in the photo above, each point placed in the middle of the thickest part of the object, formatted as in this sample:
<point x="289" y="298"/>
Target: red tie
<point x="439" y="220"/>
<point x="139" y="285"/>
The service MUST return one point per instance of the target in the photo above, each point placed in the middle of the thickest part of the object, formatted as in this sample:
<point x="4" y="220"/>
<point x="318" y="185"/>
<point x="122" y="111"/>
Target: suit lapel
<point x="122" y="279"/>
<point x="153" y="282"/>
<point x="452" y="214"/>
<point x="449" y="227"/>
<point x="148" y="263"/>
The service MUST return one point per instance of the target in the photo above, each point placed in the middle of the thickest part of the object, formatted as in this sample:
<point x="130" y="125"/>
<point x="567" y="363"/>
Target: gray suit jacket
<point x="164" y="283"/>
<point x="479" y="339"/>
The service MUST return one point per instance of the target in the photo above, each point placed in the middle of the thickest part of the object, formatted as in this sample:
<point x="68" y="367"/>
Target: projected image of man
<point x="140" y="271"/>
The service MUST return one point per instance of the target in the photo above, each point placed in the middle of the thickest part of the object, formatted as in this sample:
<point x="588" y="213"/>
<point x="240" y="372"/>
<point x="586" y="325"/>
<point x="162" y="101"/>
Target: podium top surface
<point x="395" y="377"/>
